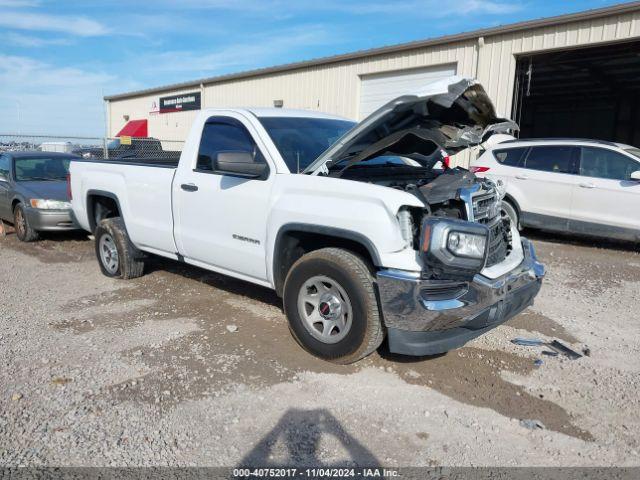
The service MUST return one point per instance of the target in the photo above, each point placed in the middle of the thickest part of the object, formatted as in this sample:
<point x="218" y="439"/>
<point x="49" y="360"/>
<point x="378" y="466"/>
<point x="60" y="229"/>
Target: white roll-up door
<point x="378" y="88"/>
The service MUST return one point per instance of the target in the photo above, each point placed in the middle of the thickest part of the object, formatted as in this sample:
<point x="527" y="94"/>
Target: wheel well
<point x="14" y="203"/>
<point x="509" y="199"/>
<point x="293" y="244"/>
<point x="100" y="207"/>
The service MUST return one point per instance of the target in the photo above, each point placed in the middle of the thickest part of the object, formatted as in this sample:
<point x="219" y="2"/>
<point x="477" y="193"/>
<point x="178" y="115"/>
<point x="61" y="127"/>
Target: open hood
<point x="451" y="114"/>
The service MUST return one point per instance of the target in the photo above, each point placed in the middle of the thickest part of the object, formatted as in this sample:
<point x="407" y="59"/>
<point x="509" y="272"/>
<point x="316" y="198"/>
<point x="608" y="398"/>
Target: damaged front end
<point x="451" y="115"/>
<point x="399" y="147"/>
<point x="477" y="272"/>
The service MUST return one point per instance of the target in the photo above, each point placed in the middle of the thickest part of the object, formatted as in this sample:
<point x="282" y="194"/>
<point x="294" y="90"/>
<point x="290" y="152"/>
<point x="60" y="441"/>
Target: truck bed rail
<point x="158" y="162"/>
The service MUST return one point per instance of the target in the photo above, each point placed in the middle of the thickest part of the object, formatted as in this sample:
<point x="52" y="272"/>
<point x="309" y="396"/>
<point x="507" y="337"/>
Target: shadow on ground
<point x="581" y="240"/>
<point x="296" y="441"/>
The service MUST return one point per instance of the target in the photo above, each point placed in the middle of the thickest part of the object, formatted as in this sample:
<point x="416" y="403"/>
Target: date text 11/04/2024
<point x="314" y="472"/>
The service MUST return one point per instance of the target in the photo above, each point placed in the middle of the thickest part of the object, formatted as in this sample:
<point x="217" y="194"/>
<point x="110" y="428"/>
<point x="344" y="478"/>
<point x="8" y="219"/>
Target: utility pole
<point x="18" y="107"/>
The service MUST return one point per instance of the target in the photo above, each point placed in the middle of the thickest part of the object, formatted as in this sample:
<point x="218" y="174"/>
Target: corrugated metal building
<point x="572" y="75"/>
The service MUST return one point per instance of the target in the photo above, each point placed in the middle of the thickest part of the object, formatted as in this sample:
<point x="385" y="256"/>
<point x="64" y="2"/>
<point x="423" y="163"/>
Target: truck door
<point x="220" y="219"/>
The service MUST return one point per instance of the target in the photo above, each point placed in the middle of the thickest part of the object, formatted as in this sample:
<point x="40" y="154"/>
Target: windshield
<point x="633" y="151"/>
<point x="301" y="140"/>
<point x="41" y="168"/>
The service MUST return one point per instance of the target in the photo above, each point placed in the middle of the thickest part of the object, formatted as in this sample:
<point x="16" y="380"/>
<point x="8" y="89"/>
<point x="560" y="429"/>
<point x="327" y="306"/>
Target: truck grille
<point x="486" y="210"/>
<point x="498" y="246"/>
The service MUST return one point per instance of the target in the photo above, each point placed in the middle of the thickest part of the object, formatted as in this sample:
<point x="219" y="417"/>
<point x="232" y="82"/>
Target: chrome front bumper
<point x="419" y="325"/>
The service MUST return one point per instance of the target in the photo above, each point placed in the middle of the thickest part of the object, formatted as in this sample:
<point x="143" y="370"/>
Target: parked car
<point x="33" y="192"/>
<point x="367" y="241"/>
<point x="580" y="186"/>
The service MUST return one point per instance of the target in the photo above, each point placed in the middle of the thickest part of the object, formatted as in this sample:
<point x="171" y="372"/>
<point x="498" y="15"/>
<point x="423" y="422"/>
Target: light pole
<point x="19" y="117"/>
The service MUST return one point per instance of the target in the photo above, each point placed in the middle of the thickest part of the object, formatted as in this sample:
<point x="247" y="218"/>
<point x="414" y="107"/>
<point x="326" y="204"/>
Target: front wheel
<point x="331" y="306"/>
<point x="512" y="213"/>
<point x="117" y="256"/>
<point x="24" y="231"/>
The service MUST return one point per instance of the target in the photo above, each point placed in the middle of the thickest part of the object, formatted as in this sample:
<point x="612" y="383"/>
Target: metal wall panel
<point x="497" y="60"/>
<point x="335" y="87"/>
<point x="166" y="126"/>
<point x="332" y="88"/>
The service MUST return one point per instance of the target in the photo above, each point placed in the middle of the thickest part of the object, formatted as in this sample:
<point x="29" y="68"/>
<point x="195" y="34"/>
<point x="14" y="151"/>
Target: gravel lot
<point x="147" y="372"/>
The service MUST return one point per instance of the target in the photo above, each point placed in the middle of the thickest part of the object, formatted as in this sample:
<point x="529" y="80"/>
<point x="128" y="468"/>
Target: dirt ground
<point x="100" y="372"/>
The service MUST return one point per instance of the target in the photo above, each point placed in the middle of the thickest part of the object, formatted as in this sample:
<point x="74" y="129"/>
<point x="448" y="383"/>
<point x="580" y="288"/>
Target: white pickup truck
<point x="350" y="224"/>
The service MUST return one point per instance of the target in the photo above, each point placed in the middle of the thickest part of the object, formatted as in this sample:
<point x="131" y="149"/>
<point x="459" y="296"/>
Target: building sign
<point x="154" y="107"/>
<point x="179" y="103"/>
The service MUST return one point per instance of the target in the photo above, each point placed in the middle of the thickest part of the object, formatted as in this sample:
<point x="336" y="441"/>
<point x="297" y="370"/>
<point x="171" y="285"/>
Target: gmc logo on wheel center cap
<point x="325" y="309"/>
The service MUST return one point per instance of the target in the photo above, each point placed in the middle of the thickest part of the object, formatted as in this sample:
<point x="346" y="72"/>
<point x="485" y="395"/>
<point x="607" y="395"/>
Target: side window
<point x="557" y="159"/>
<point x="511" y="157"/>
<point x="603" y="163"/>
<point x="5" y="167"/>
<point x="225" y="135"/>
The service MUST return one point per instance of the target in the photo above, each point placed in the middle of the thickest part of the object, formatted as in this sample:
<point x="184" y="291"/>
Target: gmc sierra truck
<point x="356" y="227"/>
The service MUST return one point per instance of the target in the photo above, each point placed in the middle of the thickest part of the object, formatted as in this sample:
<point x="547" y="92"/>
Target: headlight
<point x="467" y="244"/>
<point x="50" y="204"/>
<point x="406" y="226"/>
<point x="453" y="248"/>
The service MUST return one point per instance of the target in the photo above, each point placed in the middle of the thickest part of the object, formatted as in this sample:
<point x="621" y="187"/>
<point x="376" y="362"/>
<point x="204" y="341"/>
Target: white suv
<point x="588" y="187"/>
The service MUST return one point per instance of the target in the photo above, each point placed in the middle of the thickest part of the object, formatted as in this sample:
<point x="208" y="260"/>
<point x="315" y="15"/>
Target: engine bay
<point x="437" y="188"/>
<point x="451" y="193"/>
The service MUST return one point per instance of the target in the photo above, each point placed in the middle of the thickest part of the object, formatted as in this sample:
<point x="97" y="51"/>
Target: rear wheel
<point x="330" y="302"/>
<point x="512" y="213"/>
<point x="24" y="232"/>
<point x="117" y="256"/>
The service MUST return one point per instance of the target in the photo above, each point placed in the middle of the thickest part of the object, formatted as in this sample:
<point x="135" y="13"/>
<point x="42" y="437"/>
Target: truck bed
<point x="142" y="189"/>
<point x="164" y="161"/>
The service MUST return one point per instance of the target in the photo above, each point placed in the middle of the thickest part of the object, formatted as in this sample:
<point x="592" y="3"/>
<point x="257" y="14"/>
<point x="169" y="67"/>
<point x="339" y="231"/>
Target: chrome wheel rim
<point x="325" y="309"/>
<point x="511" y="213"/>
<point x="108" y="253"/>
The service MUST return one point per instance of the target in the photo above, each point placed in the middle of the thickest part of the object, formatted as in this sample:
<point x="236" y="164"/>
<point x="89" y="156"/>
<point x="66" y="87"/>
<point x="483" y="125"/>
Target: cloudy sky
<point x="58" y="58"/>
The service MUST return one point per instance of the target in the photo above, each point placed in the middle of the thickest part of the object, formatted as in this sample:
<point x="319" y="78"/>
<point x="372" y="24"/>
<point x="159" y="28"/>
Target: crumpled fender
<point x="367" y="210"/>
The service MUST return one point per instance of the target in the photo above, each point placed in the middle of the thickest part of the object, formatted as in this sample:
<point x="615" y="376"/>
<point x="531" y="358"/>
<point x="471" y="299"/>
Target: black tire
<point x="512" y="212"/>
<point x="24" y="231"/>
<point x="354" y="277"/>
<point x="129" y="261"/>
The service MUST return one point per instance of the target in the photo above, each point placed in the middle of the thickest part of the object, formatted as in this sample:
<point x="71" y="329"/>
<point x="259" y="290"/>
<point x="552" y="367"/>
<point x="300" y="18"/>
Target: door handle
<point x="587" y="185"/>
<point x="189" y="187"/>
<point x="521" y="177"/>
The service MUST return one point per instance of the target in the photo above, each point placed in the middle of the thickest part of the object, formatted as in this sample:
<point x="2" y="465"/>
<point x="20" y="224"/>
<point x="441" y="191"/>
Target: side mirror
<point x="635" y="176"/>
<point x="240" y="163"/>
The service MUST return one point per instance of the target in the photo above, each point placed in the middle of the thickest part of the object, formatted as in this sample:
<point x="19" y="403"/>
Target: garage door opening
<point x="588" y="93"/>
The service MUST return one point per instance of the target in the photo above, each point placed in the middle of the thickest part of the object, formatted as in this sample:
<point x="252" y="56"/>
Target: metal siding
<point x="498" y="56"/>
<point x="166" y="126"/>
<point x="332" y="88"/>
<point x="335" y="87"/>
